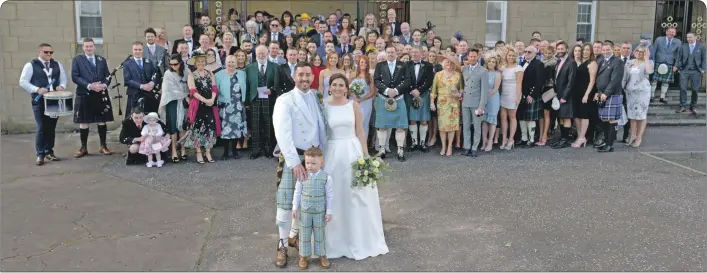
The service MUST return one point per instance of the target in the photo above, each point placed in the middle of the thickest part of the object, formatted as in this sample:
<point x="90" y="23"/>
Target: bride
<point x="356" y="228"/>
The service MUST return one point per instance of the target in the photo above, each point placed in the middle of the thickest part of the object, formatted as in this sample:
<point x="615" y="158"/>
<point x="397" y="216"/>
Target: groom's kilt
<point x="667" y="77"/>
<point x="286" y="183"/>
<point x="422" y="113"/>
<point x="386" y="119"/>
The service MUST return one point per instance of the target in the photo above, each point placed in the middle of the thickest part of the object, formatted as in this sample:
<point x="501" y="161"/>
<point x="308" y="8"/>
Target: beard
<point x="561" y="54"/>
<point x="304" y="85"/>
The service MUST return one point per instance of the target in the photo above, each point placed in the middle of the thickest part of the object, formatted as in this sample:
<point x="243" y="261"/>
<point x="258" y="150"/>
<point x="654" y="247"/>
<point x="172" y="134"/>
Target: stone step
<point x="677" y="122"/>
<point x="670" y="113"/>
<point x="676" y="95"/>
<point x="674" y="105"/>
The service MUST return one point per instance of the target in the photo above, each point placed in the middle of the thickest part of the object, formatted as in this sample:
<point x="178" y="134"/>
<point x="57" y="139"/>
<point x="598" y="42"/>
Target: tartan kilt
<point x="667" y="77"/>
<point x="422" y="113"/>
<point x="611" y="109"/>
<point x="90" y="108"/>
<point x="285" y="185"/>
<point x="397" y="119"/>
<point x="529" y="112"/>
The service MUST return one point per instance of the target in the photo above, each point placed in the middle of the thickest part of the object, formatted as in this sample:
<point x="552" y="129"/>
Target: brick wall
<point x="54" y="22"/>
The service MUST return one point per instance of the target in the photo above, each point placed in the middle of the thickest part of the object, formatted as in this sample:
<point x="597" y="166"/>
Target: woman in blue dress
<point x="231" y="84"/>
<point x="365" y="100"/>
<point x="493" y="104"/>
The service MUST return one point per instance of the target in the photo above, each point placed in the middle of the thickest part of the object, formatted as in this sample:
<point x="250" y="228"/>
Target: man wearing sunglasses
<point x="531" y="88"/>
<point x="38" y="77"/>
<point x="276" y="35"/>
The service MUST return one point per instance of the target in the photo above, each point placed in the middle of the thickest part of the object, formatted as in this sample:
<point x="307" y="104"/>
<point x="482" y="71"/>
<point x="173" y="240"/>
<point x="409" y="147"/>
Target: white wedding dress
<point x="356" y="228"/>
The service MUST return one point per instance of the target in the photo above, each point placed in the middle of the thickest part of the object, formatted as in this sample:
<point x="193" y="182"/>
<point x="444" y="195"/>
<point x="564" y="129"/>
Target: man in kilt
<point x="609" y="95"/>
<point x="421" y="75"/>
<point x="664" y="52"/>
<point x="92" y="104"/>
<point x="531" y="90"/>
<point x="299" y="124"/>
<point x="392" y="82"/>
<point x="260" y="75"/>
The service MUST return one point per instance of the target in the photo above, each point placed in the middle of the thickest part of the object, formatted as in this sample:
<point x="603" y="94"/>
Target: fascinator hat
<point x="199" y="53"/>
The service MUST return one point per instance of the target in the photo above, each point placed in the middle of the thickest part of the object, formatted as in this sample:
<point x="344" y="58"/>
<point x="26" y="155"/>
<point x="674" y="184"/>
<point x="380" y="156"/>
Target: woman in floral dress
<point x="446" y="87"/>
<point x="231" y="85"/>
<point x="203" y="115"/>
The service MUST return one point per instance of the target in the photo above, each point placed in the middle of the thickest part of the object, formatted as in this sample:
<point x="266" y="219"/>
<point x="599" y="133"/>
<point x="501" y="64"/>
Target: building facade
<point x="116" y="24"/>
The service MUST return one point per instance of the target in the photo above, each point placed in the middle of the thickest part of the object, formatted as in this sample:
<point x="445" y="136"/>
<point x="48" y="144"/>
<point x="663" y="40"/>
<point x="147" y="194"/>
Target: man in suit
<point x="392" y="82"/>
<point x="475" y="79"/>
<point x="345" y="46"/>
<point x="326" y="49"/>
<point x="204" y="22"/>
<point x="421" y="75"/>
<point x="462" y="48"/>
<point x="626" y="50"/>
<point x="259" y="18"/>
<point x="691" y="64"/>
<point x="274" y="53"/>
<point x="284" y="78"/>
<point x="188" y="33"/>
<point x="183" y="51"/>
<point x="416" y="38"/>
<point x="393" y="21"/>
<point x="247" y="47"/>
<point x="260" y="85"/>
<point x="609" y="76"/>
<point x="131" y="135"/>
<point x="564" y="84"/>
<point x="664" y="51"/>
<point x="137" y="76"/>
<point x="39" y="76"/>
<point x="276" y="34"/>
<point x="531" y="89"/>
<point x="320" y="38"/>
<point x="154" y="52"/>
<point x="332" y="23"/>
<point x="405" y="34"/>
<point x="88" y="72"/>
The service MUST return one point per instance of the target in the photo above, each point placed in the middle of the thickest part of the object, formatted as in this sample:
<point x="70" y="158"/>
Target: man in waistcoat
<point x="476" y="81"/>
<point x="260" y="96"/>
<point x="38" y="77"/>
<point x="691" y="64"/>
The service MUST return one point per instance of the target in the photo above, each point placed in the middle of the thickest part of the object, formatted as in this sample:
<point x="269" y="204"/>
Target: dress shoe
<point x="553" y="141"/>
<point x="281" y="257"/>
<point x="663" y="101"/>
<point x="40" y="161"/>
<point x="681" y="110"/>
<point x="473" y="153"/>
<point x="605" y="149"/>
<point x="521" y="143"/>
<point x="599" y="144"/>
<point x="82" y="152"/>
<point x="466" y="152"/>
<point x="293" y="242"/>
<point x="401" y="156"/>
<point x="104" y="150"/>
<point x="530" y="145"/>
<point x="52" y="157"/>
<point x="562" y="144"/>
<point x="423" y="148"/>
<point x="236" y="155"/>
<point x="324" y="262"/>
<point x="254" y="155"/>
<point x="303" y="263"/>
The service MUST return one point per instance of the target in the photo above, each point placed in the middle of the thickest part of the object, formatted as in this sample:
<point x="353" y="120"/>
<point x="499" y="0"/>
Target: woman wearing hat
<point x="447" y="88"/>
<point x="202" y="114"/>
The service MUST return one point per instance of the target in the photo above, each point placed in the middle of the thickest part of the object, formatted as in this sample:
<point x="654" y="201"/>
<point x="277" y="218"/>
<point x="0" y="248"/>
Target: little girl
<point x="155" y="141"/>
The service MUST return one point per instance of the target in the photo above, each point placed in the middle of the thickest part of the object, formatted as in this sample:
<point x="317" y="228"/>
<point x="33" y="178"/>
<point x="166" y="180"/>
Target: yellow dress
<point x="447" y="101"/>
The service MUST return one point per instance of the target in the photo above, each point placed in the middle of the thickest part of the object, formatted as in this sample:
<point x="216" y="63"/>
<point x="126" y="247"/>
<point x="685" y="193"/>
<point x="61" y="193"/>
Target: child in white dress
<point x="155" y="140"/>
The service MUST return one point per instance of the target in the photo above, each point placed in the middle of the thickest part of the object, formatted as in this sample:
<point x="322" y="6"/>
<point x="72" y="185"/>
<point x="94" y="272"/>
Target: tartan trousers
<point x="312" y="223"/>
<point x="262" y="132"/>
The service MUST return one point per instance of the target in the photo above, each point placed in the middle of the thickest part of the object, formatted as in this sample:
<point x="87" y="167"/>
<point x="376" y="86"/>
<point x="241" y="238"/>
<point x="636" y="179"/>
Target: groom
<point x="299" y="125"/>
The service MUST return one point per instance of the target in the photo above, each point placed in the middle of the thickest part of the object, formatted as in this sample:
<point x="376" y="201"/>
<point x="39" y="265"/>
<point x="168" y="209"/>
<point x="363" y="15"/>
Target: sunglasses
<point x="274" y="25"/>
<point x="48" y="52"/>
<point x="528" y="51"/>
<point x="173" y="64"/>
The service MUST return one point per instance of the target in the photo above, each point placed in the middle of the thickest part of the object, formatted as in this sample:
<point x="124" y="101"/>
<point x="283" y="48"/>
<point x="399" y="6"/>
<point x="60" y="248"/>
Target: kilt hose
<point x="262" y="132"/>
<point x="312" y="223"/>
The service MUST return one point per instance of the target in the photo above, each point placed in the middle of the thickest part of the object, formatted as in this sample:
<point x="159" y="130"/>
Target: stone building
<point x="116" y="24"/>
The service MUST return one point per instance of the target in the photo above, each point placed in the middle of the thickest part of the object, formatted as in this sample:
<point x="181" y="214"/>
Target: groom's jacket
<point x="296" y="126"/>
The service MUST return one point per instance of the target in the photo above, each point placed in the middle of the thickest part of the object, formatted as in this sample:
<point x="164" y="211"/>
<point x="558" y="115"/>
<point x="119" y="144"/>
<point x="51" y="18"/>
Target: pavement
<point x="525" y="210"/>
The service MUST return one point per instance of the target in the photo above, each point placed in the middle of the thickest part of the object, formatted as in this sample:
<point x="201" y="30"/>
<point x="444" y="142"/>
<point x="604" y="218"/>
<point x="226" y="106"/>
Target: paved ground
<point x="525" y="210"/>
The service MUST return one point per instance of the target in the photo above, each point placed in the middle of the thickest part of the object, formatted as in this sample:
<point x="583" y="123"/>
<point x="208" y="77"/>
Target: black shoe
<point x="423" y="149"/>
<point x="562" y="144"/>
<point x="52" y="157"/>
<point x="605" y="149"/>
<point x="225" y="157"/>
<point x="601" y="144"/>
<point x="401" y="158"/>
<point x="652" y="99"/>
<point x="662" y="100"/>
<point x="40" y="161"/>
<point x="473" y="153"/>
<point x="681" y="110"/>
<point x="530" y="145"/>
<point x="236" y="155"/>
<point x="553" y="141"/>
<point x="254" y="155"/>
<point x="412" y="148"/>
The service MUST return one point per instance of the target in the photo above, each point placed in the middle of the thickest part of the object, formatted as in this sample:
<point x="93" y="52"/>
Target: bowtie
<point x="417" y="63"/>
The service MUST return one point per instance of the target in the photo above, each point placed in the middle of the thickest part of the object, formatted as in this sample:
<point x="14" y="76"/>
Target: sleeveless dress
<point x="356" y="228"/>
<point x="366" y="106"/>
<point x="638" y="92"/>
<point x="583" y="110"/>
<point x="508" y="87"/>
<point x="493" y="104"/>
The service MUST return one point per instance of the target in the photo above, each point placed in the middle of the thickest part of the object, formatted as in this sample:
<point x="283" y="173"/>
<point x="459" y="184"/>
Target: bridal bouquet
<point x="356" y="88"/>
<point x="368" y="171"/>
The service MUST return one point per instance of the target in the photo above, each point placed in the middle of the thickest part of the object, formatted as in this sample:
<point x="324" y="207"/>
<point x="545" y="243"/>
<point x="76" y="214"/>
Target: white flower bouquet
<point x="368" y="171"/>
<point x="356" y="88"/>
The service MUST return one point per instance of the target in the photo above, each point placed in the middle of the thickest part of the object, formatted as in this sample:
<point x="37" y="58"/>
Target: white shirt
<point x="151" y="47"/>
<point x="94" y="62"/>
<point x="190" y="43"/>
<point x="327" y="188"/>
<point x="292" y="70"/>
<point x="28" y="71"/>
<point x="263" y="64"/>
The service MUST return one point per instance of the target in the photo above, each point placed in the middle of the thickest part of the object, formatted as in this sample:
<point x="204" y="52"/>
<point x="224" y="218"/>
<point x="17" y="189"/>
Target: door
<point x="684" y="15"/>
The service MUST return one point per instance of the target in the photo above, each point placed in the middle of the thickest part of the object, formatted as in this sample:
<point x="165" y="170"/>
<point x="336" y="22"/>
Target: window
<point x="495" y="22"/>
<point x="586" y="16"/>
<point x="89" y="21"/>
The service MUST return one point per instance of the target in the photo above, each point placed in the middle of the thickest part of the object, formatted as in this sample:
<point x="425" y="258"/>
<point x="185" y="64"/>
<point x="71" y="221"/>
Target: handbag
<point x="548" y="95"/>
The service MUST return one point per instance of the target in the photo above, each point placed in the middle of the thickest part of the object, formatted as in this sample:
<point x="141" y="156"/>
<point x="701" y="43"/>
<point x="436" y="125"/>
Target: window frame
<point x="592" y="18"/>
<point x="77" y="12"/>
<point x="503" y="21"/>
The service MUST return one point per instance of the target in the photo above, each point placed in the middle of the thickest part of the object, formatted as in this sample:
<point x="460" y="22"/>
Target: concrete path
<point x="525" y="210"/>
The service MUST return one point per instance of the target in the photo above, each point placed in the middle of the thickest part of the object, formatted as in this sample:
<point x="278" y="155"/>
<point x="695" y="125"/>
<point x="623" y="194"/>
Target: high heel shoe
<point x="582" y="142"/>
<point x="636" y="143"/>
<point x="209" y="159"/>
<point x="488" y="148"/>
<point x="441" y="152"/>
<point x="200" y="161"/>
<point x="509" y="146"/>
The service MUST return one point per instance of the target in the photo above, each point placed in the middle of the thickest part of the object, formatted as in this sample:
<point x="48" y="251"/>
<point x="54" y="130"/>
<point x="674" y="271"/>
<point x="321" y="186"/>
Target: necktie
<point x="692" y="47"/>
<point x="321" y="39"/>
<point x="139" y="64"/>
<point x="471" y="69"/>
<point x="559" y="67"/>
<point x="93" y="61"/>
<point x="417" y="63"/>
<point x="262" y="69"/>
<point x="391" y="67"/>
<point x="292" y="70"/>
<point x="46" y="66"/>
<point x="669" y="43"/>
<point x="343" y="48"/>
<point x="274" y="37"/>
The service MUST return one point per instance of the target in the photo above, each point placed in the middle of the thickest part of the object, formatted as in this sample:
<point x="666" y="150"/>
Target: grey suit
<point x="475" y="96"/>
<point x="661" y="54"/>
<point x="691" y="66"/>
<point x="159" y="55"/>
<point x="609" y="76"/>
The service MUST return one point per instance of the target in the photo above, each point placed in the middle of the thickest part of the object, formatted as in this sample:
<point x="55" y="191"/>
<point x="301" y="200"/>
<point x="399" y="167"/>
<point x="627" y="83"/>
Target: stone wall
<point x="54" y="22"/>
<point x="624" y="20"/>
<point x="554" y="19"/>
<point x="450" y="17"/>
